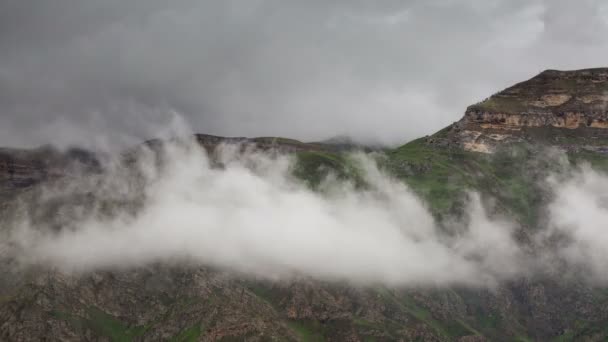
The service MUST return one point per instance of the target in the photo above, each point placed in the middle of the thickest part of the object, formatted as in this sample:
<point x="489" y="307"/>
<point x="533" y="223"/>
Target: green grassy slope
<point x="513" y="178"/>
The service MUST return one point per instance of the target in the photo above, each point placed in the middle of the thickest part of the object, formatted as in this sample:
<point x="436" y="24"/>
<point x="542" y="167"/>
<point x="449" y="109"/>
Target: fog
<point x="246" y="213"/>
<point x="579" y="216"/>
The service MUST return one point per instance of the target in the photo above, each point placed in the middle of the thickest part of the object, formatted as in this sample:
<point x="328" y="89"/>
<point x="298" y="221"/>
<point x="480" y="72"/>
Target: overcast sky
<point x="112" y="71"/>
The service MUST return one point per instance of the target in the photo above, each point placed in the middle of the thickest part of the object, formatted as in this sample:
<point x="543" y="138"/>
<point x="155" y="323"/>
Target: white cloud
<point x="579" y="216"/>
<point x="250" y="215"/>
<point x="253" y="217"/>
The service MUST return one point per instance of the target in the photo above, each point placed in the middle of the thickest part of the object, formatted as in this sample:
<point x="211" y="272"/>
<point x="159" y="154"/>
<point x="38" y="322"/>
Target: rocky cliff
<point x="558" y="107"/>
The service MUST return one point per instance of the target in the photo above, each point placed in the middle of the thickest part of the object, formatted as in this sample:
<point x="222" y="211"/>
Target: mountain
<point x="499" y="148"/>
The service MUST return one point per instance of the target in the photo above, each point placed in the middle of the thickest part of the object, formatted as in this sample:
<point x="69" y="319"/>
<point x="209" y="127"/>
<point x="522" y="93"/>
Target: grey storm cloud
<point x="113" y="72"/>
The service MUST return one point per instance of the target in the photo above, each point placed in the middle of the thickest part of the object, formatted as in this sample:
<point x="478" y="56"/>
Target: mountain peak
<point x="558" y="107"/>
<point x="552" y="91"/>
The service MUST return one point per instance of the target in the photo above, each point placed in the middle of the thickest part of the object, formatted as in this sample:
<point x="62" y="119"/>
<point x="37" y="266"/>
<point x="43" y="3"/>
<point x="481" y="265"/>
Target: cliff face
<point x="573" y="105"/>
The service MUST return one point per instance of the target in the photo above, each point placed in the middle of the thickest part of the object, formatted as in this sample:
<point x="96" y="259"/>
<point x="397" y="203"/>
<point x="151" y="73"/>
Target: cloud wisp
<point x="245" y="212"/>
<point x="578" y="218"/>
<point x="252" y="216"/>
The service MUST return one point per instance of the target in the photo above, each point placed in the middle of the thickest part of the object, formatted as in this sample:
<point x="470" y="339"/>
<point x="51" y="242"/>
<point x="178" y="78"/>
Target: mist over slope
<point x="244" y="210"/>
<point x="200" y="237"/>
<point x="253" y="216"/>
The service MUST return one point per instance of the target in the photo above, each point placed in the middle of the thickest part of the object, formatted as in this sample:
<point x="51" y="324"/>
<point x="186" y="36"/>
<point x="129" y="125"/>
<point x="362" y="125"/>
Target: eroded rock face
<point x="515" y="122"/>
<point x="563" y="100"/>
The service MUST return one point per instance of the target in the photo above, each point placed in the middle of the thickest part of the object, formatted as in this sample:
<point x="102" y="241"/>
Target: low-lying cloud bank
<point x="247" y="213"/>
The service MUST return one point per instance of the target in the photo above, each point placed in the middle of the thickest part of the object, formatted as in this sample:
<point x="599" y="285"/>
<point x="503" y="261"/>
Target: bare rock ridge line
<point x="558" y="107"/>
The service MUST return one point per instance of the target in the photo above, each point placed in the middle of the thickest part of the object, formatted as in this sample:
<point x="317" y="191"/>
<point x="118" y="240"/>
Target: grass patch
<point x="451" y="329"/>
<point x="102" y="324"/>
<point x="442" y="177"/>
<point x="501" y="104"/>
<point x="314" y="167"/>
<point x="585" y="331"/>
<point x="191" y="334"/>
<point x="598" y="161"/>
<point x="488" y="321"/>
<point x="307" y="331"/>
<point x="436" y="175"/>
<point x="107" y="325"/>
<point x="365" y="323"/>
<point x="263" y="292"/>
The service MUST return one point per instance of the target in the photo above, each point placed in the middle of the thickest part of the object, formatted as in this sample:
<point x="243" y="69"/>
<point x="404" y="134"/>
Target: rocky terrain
<point x="170" y="302"/>
<point x="566" y="107"/>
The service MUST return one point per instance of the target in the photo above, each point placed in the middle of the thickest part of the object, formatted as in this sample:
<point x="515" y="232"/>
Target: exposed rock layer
<point x="569" y="100"/>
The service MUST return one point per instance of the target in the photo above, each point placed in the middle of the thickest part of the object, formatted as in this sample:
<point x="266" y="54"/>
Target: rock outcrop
<point x="557" y="107"/>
